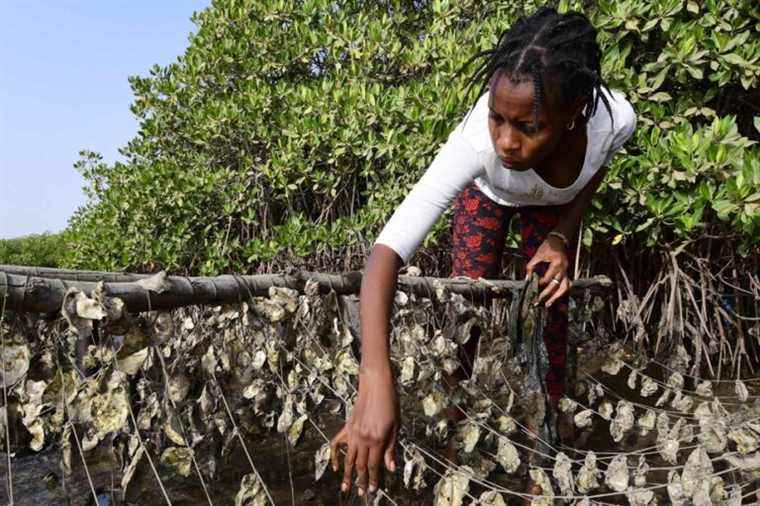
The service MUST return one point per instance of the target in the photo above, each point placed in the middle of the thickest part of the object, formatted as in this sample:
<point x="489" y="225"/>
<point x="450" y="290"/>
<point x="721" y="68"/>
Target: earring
<point x="571" y="125"/>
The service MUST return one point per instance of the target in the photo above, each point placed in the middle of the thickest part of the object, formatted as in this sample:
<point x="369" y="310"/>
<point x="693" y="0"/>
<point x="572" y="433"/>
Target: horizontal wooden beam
<point x="44" y="293"/>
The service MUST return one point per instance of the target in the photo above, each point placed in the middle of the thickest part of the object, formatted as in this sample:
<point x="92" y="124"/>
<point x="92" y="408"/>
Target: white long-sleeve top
<point x="468" y="156"/>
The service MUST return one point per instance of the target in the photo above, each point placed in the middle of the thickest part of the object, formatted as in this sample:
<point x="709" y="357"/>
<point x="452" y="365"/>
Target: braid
<point x="548" y="47"/>
<point x="538" y="95"/>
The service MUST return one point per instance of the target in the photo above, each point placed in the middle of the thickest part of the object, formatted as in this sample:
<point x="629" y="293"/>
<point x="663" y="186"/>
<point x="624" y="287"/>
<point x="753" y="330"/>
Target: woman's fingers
<point x="339" y="439"/>
<point x="348" y="466"/>
<point x="564" y="287"/>
<point x="365" y="460"/>
<point x="390" y="452"/>
<point x="362" y="454"/>
<point x="530" y="266"/>
<point x="546" y="292"/>
<point x="374" y="462"/>
<point x="554" y="271"/>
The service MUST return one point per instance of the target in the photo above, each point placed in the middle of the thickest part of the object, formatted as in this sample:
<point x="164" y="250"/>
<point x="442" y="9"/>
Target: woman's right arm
<point x="370" y="432"/>
<point x="375" y="301"/>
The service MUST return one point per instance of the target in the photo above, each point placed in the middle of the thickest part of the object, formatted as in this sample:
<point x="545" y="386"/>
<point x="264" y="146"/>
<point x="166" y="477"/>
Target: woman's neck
<point x="563" y="166"/>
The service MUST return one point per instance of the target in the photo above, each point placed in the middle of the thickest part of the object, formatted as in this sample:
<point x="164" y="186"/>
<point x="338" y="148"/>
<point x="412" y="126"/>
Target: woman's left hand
<point x="551" y="251"/>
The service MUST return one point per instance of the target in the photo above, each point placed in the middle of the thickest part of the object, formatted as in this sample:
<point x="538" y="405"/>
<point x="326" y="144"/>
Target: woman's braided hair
<point x="556" y="51"/>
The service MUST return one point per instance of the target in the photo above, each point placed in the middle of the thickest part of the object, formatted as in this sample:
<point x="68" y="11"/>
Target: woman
<point x="534" y="144"/>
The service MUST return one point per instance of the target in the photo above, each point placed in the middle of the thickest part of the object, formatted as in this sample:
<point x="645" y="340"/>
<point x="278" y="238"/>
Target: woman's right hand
<point x="369" y="435"/>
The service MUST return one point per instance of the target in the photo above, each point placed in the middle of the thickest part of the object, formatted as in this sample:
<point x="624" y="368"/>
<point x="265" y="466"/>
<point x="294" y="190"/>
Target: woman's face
<point x="519" y="141"/>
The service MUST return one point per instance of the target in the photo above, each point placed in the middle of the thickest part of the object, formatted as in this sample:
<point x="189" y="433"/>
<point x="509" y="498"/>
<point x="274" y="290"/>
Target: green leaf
<point x="660" y="96"/>
<point x="659" y="78"/>
<point x="724" y="207"/>
<point x="695" y="72"/>
<point x="588" y="237"/>
<point x="735" y="59"/>
<point x="650" y="24"/>
<point x="645" y="225"/>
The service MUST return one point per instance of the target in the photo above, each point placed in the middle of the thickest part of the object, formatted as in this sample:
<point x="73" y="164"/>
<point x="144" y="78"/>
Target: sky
<point x="63" y="88"/>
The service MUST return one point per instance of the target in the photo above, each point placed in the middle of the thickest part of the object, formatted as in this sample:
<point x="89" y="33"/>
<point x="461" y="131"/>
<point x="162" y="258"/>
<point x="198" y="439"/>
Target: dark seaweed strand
<point x="553" y="50"/>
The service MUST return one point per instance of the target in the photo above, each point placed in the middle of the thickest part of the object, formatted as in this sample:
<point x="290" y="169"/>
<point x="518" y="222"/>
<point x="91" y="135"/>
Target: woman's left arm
<point x="553" y="250"/>
<point x="573" y="211"/>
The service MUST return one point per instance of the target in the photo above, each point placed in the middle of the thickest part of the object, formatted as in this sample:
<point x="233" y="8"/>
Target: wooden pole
<point x="44" y="294"/>
<point x="71" y="275"/>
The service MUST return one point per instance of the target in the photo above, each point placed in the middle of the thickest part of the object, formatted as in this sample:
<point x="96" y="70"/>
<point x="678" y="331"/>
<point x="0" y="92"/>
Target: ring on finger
<point x="555" y="281"/>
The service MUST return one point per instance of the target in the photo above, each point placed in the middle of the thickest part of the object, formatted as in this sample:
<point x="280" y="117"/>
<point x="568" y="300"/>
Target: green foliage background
<point x="290" y="130"/>
<point x="39" y="250"/>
